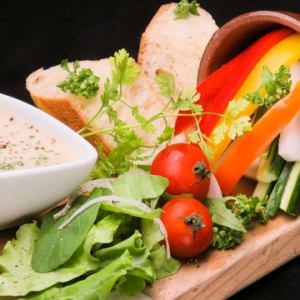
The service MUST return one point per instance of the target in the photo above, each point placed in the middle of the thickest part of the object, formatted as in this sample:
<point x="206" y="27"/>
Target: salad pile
<point x="143" y="204"/>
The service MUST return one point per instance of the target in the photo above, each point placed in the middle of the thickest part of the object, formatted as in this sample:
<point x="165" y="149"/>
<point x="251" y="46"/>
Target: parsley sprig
<point x="232" y="125"/>
<point x="274" y="87"/>
<point x="186" y="104"/>
<point x="79" y="82"/>
<point x="247" y="210"/>
<point x="185" y="8"/>
<point x="129" y="147"/>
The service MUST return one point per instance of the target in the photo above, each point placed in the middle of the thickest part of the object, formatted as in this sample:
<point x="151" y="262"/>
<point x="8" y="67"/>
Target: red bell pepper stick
<point x="221" y="87"/>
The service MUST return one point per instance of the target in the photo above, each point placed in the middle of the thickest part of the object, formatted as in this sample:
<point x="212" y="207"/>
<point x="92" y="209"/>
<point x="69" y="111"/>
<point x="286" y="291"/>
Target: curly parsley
<point x="274" y="87"/>
<point x="232" y="216"/>
<point x="185" y="8"/>
<point x="79" y="83"/>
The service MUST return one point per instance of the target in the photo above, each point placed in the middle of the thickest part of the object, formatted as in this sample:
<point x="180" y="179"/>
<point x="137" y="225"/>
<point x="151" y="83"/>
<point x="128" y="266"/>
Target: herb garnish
<point x="184" y="8"/>
<point x="232" y="216"/>
<point x="274" y="87"/>
<point x="186" y="103"/>
<point x="130" y="148"/>
<point x="232" y="125"/>
<point x="80" y="83"/>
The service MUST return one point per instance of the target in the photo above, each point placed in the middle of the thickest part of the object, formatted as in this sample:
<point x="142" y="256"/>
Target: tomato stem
<point x="201" y="171"/>
<point x="195" y="221"/>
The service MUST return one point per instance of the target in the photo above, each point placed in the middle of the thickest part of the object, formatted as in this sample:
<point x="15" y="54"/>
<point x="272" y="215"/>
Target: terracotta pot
<point x="239" y="33"/>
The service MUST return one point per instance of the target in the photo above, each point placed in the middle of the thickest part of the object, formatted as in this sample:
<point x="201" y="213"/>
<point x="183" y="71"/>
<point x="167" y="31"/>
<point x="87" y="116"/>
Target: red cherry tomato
<point x="186" y="168"/>
<point x="189" y="226"/>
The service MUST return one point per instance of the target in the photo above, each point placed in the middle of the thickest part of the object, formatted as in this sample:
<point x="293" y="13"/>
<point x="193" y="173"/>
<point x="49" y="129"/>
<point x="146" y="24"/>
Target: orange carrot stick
<point x="240" y="155"/>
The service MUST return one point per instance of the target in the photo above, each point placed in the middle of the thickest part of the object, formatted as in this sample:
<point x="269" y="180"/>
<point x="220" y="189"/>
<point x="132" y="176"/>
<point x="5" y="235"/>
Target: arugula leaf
<point x="274" y="87"/>
<point x="54" y="247"/>
<point x="139" y="185"/>
<point x="126" y="70"/>
<point x="184" y="8"/>
<point x="83" y="82"/>
<point x="165" y="82"/>
<point x="221" y="215"/>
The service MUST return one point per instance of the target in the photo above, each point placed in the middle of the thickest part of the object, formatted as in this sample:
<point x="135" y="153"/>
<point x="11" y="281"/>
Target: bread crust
<point x="62" y="110"/>
<point x="175" y="46"/>
<point x="76" y="112"/>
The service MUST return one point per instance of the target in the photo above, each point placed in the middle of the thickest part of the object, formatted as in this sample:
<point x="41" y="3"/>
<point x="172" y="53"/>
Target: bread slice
<point x="176" y="46"/>
<point x="75" y="111"/>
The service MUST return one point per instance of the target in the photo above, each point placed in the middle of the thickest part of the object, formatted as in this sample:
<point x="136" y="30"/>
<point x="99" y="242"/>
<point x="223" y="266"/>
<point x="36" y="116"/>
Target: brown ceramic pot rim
<point x="248" y="22"/>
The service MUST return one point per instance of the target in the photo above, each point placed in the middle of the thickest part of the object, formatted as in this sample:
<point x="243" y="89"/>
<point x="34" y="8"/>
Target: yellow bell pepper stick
<point x="286" y="52"/>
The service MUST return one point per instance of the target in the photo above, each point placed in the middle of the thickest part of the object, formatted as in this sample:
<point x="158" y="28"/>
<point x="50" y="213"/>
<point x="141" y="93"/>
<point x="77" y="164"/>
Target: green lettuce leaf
<point x="141" y="265"/>
<point x="221" y="215"/>
<point x="97" y="286"/>
<point x="151" y="233"/>
<point x="163" y="267"/>
<point x="105" y="230"/>
<point x="130" y="285"/>
<point x="55" y="246"/>
<point x="17" y="277"/>
<point x="132" y="210"/>
<point x="152" y="237"/>
<point x="139" y="185"/>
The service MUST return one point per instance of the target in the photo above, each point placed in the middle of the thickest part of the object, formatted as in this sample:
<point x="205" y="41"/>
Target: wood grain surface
<point x="220" y="274"/>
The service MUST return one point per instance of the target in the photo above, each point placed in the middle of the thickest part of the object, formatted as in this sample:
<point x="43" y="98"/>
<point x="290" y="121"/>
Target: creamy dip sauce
<point x="23" y="145"/>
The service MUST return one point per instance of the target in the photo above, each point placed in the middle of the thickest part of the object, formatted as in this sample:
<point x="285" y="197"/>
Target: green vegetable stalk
<point x="232" y="217"/>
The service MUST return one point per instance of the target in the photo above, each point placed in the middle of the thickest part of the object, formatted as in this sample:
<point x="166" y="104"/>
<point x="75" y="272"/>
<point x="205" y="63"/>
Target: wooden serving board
<point x="220" y="274"/>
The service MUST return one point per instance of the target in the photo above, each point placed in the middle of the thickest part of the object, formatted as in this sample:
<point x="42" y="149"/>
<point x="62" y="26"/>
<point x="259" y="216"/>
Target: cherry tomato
<point x="189" y="226"/>
<point x="186" y="168"/>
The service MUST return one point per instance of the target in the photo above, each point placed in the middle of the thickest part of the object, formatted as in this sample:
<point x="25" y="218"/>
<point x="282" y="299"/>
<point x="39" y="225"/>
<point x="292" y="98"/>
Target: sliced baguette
<point x="75" y="111"/>
<point x="175" y="46"/>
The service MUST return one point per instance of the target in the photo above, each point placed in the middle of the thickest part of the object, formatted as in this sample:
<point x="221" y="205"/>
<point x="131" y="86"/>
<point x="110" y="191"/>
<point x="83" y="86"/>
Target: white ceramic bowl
<point x="27" y="191"/>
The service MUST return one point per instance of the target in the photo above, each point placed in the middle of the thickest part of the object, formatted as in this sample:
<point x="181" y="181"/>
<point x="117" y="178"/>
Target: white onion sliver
<point x="289" y="141"/>
<point x="214" y="190"/>
<point x="251" y="173"/>
<point x="90" y="185"/>
<point x="113" y="199"/>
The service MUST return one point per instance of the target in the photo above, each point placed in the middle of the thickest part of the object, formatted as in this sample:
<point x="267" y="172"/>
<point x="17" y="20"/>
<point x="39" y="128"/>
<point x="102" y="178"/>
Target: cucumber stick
<point x="263" y="190"/>
<point x="278" y="190"/>
<point x="271" y="165"/>
<point x="290" y="201"/>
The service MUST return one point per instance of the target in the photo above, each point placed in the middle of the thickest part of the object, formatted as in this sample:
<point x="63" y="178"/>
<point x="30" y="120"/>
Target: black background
<point x="36" y="34"/>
